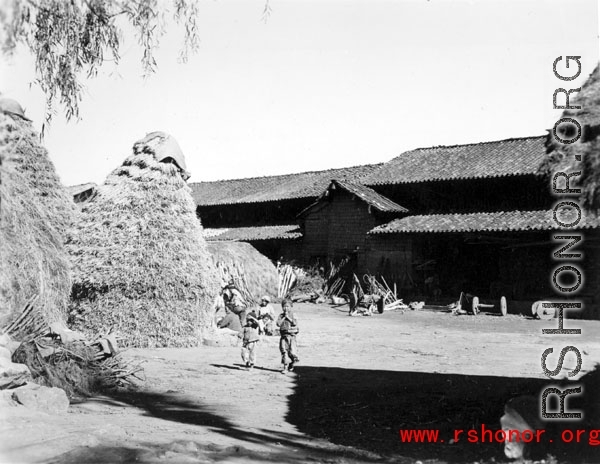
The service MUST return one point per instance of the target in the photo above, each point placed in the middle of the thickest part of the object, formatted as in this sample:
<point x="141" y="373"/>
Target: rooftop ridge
<point x="487" y="142"/>
<point x="321" y="171"/>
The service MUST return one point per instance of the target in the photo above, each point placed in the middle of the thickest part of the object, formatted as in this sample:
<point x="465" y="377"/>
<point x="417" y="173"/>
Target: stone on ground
<point x="13" y="374"/>
<point x="46" y="399"/>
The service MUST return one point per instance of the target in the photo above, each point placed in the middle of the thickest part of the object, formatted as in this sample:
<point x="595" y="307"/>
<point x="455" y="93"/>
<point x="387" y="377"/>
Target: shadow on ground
<point x="367" y="408"/>
<point x="359" y="411"/>
<point x="285" y="447"/>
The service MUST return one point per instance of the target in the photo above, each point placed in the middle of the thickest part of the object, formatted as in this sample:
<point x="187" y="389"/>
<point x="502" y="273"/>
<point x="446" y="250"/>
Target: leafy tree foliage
<point x="71" y="39"/>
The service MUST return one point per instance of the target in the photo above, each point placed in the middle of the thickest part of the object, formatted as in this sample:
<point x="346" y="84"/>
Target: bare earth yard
<point x="360" y="380"/>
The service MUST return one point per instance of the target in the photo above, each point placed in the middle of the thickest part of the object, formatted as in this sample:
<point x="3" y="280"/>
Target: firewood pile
<point x="381" y="289"/>
<point x="59" y="357"/>
<point x="289" y="276"/>
<point x="29" y="324"/>
<point x="334" y="281"/>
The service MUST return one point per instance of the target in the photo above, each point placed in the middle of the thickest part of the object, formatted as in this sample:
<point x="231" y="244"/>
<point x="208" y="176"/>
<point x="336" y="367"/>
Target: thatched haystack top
<point x="589" y="100"/>
<point x="564" y="157"/>
<point x="35" y="212"/>
<point x="12" y="108"/>
<point x="141" y="267"/>
<point x="141" y="200"/>
<point x="165" y="149"/>
<point x="30" y="158"/>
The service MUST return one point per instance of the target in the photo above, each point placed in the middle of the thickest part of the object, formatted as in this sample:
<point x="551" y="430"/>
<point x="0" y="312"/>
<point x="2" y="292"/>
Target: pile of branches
<point x="59" y="357"/>
<point x="289" y="276"/>
<point x="373" y="295"/>
<point x="308" y="286"/>
<point x="383" y="290"/>
<point x="334" y="280"/>
<point x="29" y="324"/>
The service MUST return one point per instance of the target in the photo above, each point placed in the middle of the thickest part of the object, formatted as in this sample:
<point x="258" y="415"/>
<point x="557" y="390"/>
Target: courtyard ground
<point x="360" y="380"/>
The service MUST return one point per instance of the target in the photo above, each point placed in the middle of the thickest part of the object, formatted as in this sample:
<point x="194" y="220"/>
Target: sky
<point x="322" y="84"/>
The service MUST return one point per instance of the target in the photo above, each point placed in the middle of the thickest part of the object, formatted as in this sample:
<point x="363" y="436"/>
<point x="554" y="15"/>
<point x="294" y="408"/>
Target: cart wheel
<point x="543" y="313"/>
<point x="503" y="306"/>
<point x="475" y="305"/>
<point x="534" y="308"/>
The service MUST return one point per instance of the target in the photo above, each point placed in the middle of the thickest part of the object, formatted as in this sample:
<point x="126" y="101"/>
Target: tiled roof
<point x="288" y="232"/>
<point x="273" y="188"/>
<point x="482" y="222"/>
<point x="366" y="194"/>
<point x="78" y="189"/>
<point x="481" y="160"/>
<point x="371" y="197"/>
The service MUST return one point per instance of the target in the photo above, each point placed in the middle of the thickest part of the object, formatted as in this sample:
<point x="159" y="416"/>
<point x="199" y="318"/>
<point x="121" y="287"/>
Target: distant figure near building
<point x="288" y="327"/>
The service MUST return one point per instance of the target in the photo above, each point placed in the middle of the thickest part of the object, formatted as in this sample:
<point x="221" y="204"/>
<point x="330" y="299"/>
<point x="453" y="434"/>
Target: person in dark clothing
<point x="234" y="302"/>
<point x="250" y="338"/>
<point x="288" y="328"/>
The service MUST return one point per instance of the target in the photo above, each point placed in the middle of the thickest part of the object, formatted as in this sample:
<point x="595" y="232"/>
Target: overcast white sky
<point x="324" y="84"/>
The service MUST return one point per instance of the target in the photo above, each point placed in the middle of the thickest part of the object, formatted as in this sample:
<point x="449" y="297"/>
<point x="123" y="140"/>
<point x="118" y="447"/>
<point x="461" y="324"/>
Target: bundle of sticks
<point x="334" y="282"/>
<point x="334" y="288"/>
<point x="29" y="324"/>
<point x="55" y="353"/>
<point x="390" y="298"/>
<point x="288" y="277"/>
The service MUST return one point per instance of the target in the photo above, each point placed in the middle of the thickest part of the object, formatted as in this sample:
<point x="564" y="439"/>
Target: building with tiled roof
<point x="369" y="196"/>
<point x="304" y="185"/>
<point x="82" y="192"/>
<point x="503" y="221"/>
<point x="256" y="205"/>
<point x="486" y="160"/>
<point x="337" y="223"/>
<point x="441" y="220"/>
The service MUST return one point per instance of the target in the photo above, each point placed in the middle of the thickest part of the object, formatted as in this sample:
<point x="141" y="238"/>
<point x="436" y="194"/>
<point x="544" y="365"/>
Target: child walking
<point x="288" y="328"/>
<point x="250" y="340"/>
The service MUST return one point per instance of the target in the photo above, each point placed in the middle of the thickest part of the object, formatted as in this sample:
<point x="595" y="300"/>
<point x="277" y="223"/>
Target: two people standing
<point x="288" y="328"/>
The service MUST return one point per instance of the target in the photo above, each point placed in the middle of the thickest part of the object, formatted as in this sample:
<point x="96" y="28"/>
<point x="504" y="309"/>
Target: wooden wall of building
<point x="337" y="227"/>
<point x="527" y="192"/>
<point x="390" y="256"/>
<point x="281" y="212"/>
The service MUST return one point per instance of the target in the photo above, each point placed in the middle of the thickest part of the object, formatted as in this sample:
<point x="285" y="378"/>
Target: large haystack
<point x="140" y="264"/>
<point x="35" y="210"/>
<point x="562" y="157"/>
<point x="259" y="273"/>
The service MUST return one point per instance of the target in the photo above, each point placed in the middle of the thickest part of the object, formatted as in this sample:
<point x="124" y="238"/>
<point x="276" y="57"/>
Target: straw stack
<point x="584" y="154"/>
<point x="141" y="267"/>
<point x="253" y="273"/>
<point x="35" y="211"/>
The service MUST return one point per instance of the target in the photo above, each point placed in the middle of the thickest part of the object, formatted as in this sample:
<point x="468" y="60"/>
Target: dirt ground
<point x="360" y="380"/>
